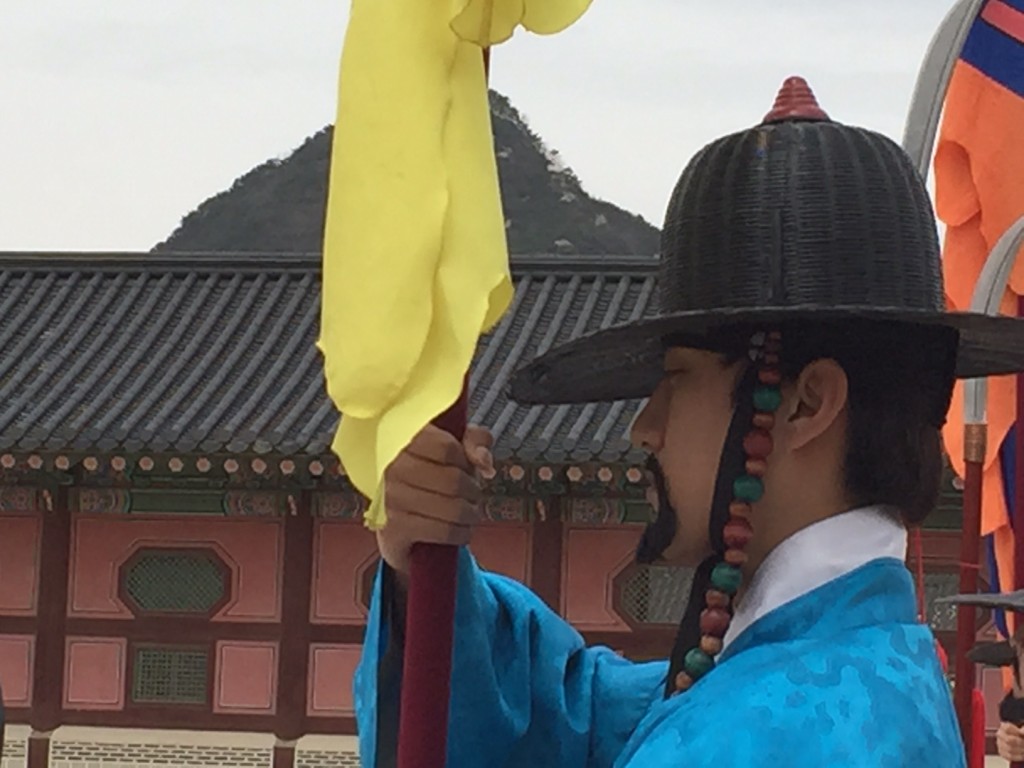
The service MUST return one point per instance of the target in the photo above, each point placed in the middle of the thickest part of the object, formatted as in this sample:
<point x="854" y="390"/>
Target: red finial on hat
<point x="795" y="102"/>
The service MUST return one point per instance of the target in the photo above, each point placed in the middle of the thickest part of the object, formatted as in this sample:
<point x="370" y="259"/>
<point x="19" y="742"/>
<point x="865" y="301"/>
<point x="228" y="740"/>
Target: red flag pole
<point x="988" y="293"/>
<point x="975" y="436"/>
<point x="1018" y="498"/>
<point x="429" y="635"/>
<point x="430" y="628"/>
<point x="1018" y="478"/>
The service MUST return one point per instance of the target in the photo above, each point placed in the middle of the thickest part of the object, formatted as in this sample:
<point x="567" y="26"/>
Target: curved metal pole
<point x="919" y="134"/>
<point x="922" y="124"/>
<point x="988" y="295"/>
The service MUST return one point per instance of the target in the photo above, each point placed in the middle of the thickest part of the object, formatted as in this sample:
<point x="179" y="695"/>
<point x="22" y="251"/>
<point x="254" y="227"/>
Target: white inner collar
<point x="816" y="555"/>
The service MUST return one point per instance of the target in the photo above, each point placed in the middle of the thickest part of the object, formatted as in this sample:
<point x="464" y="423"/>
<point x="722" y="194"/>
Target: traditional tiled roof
<point x="204" y="353"/>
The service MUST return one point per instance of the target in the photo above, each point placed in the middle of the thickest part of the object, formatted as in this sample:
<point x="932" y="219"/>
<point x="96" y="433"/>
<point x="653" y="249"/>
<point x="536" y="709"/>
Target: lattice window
<point x="169" y="675"/>
<point x="180" y="582"/>
<point x="941" y="616"/>
<point x="654" y="594"/>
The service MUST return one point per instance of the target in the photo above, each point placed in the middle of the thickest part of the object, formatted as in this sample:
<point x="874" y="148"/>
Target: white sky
<point x="118" y="117"/>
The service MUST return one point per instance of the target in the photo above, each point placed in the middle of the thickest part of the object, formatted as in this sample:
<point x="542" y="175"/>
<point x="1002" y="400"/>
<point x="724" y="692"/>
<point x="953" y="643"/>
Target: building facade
<point x="184" y="575"/>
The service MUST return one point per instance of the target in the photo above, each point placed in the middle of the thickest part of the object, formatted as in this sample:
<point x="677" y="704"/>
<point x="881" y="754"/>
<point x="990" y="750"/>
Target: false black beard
<point x="660" y="533"/>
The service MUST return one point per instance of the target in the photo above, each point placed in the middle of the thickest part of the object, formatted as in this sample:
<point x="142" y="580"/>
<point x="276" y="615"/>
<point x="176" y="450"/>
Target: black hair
<point x="900" y="385"/>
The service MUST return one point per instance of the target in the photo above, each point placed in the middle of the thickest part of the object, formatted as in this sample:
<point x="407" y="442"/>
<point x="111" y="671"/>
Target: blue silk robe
<point x="843" y="676"/>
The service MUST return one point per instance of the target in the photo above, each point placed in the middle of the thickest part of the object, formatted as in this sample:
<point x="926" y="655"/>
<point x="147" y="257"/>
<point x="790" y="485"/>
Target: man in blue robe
<point x="797" y="377"/>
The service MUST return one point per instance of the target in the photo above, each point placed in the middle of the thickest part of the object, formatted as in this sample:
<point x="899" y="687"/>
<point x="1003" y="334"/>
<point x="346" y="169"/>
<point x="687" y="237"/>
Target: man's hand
<point x="432" y="493"/>
<point x="1010" y="742"/>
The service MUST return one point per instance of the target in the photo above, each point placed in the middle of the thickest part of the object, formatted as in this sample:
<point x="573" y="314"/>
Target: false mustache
<point x="658" y="535"/>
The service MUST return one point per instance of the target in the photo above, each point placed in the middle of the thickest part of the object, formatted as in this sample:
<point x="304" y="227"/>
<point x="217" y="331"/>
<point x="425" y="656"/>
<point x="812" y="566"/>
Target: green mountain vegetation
<point x="279" y="205"/>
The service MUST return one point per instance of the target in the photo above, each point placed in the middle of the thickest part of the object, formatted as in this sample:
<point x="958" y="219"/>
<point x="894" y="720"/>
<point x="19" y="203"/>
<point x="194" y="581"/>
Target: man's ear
<point x="818" y="397"/>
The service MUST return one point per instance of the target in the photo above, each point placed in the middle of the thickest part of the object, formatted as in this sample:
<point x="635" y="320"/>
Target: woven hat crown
<point x="800" y="211"/>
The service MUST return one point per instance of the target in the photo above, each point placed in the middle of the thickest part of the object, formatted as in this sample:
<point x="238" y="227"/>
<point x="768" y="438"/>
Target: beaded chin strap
<point x="722" y="573"/>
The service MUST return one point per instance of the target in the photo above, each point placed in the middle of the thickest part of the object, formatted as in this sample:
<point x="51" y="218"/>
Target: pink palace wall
<point x="345" y="558"/>
<point x="19" y="589"/>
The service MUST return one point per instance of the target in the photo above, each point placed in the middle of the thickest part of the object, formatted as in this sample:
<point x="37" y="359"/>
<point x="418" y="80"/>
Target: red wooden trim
<point x="546" y="555"/>
<point x="337" y="633"/>
<point x="297" y="591"/>
<point x="168" y="716"/>
<point x="178" y="631"/>
<point x="331" y="726"/>
<point x="284" y="757"/>
<point x="940" y="547"/>
<point x="17" y="715"/>
<point x="55" y="554"/>
<point x="164" y="716"/>
<point x="19" y="625"/>
<point x="990" y="745"/>
<point x="38" y="751"/>
<point x="190" y="631"/>
<point x="651" y="643"/>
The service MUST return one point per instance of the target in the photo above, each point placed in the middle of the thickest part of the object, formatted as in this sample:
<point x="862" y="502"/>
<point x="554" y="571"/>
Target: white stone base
<point x="15" y="746"/>
<point x="327" y="752"/>
<point x="78" y="747"/>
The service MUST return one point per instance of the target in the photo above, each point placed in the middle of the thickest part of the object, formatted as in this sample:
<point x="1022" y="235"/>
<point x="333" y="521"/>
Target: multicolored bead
<point x="767" y="399"/>
<point x="748" y="488"/>
<point x="740" y="509"/>
<point x="758" y="444"/>
<point x="756" y="468"/>
<point x="714" y="621"/>
<point x="726" y="578"/>
<point x="715" y="599"/>
<point x="698" y="663"/>
<point x="737" y="533"/>
<point x="683" y="682"/>
<point x="712" y="646"/>
<point x="736" y="557"/>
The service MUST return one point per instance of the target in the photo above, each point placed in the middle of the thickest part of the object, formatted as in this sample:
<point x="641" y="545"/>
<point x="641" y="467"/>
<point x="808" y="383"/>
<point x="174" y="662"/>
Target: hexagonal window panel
<point x="653" y="594"/>
<point x="186" y="581"/>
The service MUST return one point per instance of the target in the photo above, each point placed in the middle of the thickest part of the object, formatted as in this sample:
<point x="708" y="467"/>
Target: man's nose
<point x="646" y="432"/>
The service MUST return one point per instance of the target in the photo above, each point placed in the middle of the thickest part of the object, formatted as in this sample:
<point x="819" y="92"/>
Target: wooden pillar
<point x="38" y="750"/>
<point x="48" y="670"/>
<point x="546" y="554"/>
<point x="284" y="754"/>
<point x="293" y="659"/>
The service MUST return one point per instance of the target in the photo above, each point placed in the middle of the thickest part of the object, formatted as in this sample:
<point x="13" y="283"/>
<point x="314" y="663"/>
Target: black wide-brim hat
<point x="1005" y="601"/>
<point x="993" y="654"/>
<point x="797" y="220"/>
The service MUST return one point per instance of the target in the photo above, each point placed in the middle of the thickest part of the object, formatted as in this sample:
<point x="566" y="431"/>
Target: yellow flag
<point x="415" y="260"/>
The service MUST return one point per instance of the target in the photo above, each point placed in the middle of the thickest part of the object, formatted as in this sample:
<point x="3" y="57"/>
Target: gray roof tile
<point x="204" y="353"/>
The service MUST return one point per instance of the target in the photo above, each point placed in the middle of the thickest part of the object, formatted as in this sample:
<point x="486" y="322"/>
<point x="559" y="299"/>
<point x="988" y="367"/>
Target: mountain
<point x="279" y="205"/>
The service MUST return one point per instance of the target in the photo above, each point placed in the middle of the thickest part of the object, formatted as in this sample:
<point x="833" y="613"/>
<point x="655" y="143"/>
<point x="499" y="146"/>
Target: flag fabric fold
<point x="979" y="165"/>
<point x="415" y="265"/>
